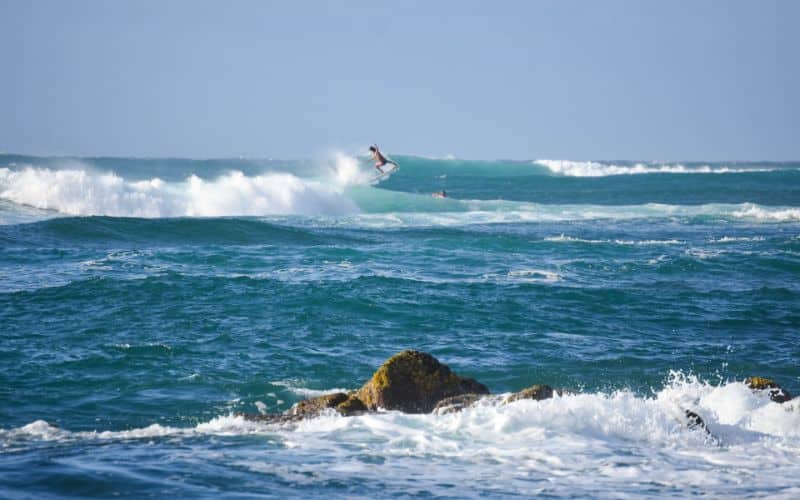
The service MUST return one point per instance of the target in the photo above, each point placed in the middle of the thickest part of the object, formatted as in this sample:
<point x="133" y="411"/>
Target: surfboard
<point x="386" y="172"/>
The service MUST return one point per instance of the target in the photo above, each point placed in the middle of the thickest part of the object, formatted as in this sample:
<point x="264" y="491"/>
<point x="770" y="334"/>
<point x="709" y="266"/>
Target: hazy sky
<point x="490" y="79"/>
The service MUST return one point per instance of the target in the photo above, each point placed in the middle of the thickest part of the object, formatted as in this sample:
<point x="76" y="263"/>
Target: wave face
<point x="144" y="302"/>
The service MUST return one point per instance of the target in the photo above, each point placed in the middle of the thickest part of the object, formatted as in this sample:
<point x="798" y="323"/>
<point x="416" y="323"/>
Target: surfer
<point x="440" y="194"/>
<point x="380" y="160"/>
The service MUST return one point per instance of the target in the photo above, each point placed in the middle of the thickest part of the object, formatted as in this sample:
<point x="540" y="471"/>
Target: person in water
<point x="380" y="160"/>
<point x="440" y="194"/>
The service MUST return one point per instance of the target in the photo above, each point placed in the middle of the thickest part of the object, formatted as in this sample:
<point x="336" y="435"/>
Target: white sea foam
<point x="598" y="169"/>
<point x="583" y="444"/>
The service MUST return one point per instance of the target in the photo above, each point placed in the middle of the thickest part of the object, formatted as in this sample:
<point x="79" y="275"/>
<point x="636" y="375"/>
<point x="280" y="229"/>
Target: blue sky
<point x="575" y="80"/>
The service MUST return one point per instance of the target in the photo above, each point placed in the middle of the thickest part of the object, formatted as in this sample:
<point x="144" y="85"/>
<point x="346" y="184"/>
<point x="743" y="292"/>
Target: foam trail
<point x="598" y="169"/>
<point x="86" y="192"/>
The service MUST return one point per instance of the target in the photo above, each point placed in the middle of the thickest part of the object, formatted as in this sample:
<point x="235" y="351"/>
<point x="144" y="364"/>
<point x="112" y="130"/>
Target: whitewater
<point x="146" y="302"/>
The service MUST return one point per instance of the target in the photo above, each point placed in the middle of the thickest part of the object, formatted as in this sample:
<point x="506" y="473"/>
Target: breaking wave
<point x="87" y="192"/>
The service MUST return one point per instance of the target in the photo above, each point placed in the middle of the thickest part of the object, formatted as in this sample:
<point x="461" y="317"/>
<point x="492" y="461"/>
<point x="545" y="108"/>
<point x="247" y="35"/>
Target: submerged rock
<point x="414" y="382"/>
<point x="776" y="392"/>
<point x="314" y="406"/>
<point x="351" y="406"/>
<point x="455" y="404"/>
<point x="346" y="404"/>
<point x="536" y="392"/>
<point x="693" y="421"/>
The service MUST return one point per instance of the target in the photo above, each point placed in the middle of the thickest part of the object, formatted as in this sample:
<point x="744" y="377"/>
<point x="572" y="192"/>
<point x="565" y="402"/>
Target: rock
<point x="351" y="406"/>
<point x="693" y="421"/>
<point x="411" y="381"/>
<point x="455" y="404"/>
<point x="776" y="392"/>
<point x="414" y="382"/>
<point x="346" y="404"/>
<point x="315" y="406"/>
<point x="536" y="392"/>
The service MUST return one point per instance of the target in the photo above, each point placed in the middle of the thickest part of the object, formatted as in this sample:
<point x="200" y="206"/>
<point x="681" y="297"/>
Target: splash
<point x="346" y="171"/>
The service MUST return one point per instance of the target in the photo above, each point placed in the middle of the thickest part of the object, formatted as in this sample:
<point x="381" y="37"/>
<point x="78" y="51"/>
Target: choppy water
<point x="144" y="301"/>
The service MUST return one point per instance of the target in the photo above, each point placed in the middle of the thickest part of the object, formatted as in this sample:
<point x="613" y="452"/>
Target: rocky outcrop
<point x="411" y="382"/>
<point x="414" y="382"/>
<point x="776" y="392"/>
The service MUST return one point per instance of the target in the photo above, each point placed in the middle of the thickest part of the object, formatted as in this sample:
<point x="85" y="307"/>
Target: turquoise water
<point x="144" y="301"/>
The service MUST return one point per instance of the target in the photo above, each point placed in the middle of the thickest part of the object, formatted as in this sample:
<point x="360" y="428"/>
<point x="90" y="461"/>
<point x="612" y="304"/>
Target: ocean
<point x="144" y="302"/>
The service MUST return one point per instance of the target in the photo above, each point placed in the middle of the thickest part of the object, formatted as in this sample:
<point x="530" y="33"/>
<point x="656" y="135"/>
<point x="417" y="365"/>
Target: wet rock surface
<point x="455" y="404"/>
<point x="414" y="382"/>
<point x="776" y="392"/>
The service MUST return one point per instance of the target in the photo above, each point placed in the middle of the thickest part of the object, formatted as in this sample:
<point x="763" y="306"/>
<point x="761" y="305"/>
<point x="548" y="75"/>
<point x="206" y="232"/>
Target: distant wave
<point x="598" y="169"/>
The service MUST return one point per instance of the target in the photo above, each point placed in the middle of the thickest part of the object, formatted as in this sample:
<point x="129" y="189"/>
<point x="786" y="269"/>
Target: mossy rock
<point x="455" y="404"/>
<point x="314" y="406"/>
<point x="536" y="392"/>
<point x="351" y="406"/>
<point x="776" y="392"/>
<point x="414" y="382"/>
